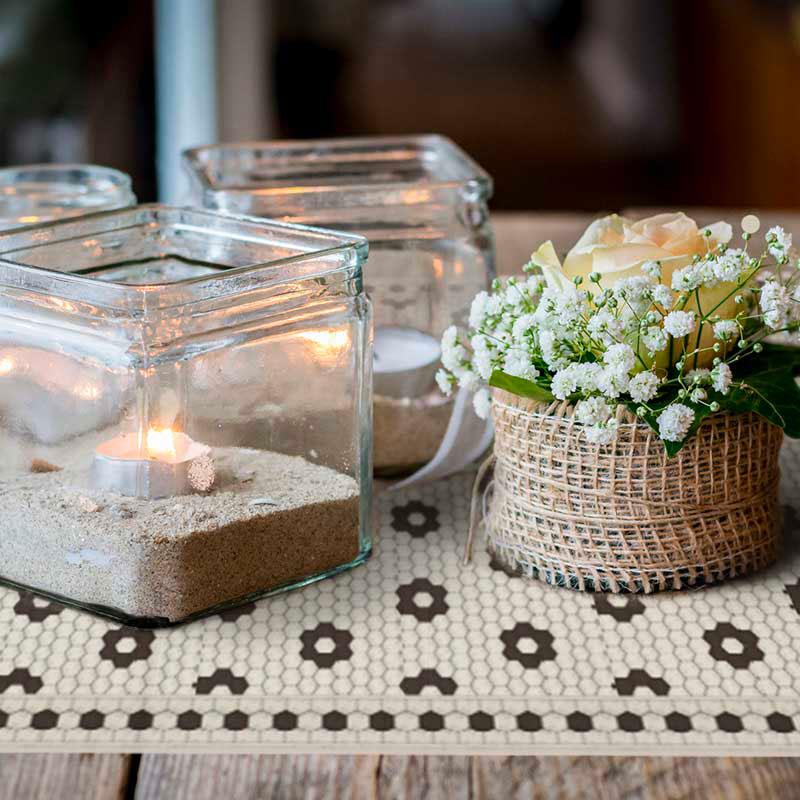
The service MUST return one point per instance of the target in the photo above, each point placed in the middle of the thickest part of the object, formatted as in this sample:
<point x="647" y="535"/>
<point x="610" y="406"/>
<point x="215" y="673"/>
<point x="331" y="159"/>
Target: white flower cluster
<point x="664" y="342"/>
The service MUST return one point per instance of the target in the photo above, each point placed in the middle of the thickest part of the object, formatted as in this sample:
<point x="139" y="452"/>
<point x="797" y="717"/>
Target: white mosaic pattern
<point x="414" y="652"/>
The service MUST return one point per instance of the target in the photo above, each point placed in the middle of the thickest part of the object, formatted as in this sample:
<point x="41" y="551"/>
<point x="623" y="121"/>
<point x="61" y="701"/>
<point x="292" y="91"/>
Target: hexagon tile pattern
<point x="414" y="651"/>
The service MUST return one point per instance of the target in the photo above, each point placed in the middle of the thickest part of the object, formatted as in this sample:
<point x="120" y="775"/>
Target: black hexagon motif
<point x="36" y="608"/>
<point x="232" y="614"/>
<point x="223" y="678"/>
<point x="729" y="723"/>
<point x="334" y="721"/>
<point x="677" y="722"/>
<point x="30" y="684"/>
<point x="794" y="594"/>
<point x="528" y="721"/>
<point x="284" y="721"/>
<point x="747" y="639"/>
<point x="189" y="720"/>
<point x="141" y="650"/>
<point x="640" y="679"/>
<point x="428" y="678"/>
<point x="44" y="720"/>
<point x="780" y="723"/>
<point x="622" y="607"/>
<point x="140" y="720"/>
<point x="579" y="722"/>
<point x="236" y="721"/>
<point x="341" y="645"/>
<point x="431" y="721"/>
<point x="415" y="518"/>
<point x="3" y="719"/>
<point x="481" y="721"/>
<point x="381" y="721"/>
<point x="409" y="603"/>
<point x="630" y="723"/>
<point x="92" y="720"/>
<point x="524" y="630"/>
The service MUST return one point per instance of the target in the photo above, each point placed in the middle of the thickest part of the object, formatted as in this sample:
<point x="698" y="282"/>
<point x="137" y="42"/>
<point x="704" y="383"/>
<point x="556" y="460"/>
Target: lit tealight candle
<point x="165" y="464"/>
<point x="405" y="362"/>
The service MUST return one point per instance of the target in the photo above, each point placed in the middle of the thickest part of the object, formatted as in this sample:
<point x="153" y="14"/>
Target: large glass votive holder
<point x="185" y="403"/>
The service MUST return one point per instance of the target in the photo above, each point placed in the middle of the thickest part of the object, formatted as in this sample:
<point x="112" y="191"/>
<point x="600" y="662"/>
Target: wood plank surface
<point x="319" y="777"/>
<point x="64" y="776"/>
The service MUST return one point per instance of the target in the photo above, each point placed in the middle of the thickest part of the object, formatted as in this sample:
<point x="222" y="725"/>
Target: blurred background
<point x="569" y="104"/>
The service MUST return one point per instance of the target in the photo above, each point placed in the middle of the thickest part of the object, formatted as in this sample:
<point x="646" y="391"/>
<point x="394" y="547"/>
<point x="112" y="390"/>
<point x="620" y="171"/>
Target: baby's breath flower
<point x="662" y="295"/>
<point x="643" y="387"/>
<point x="477" y="311"/>
<point x="518" y="364"/>
<point x="775" y="302"/>
<point x="655" y="339"/>
<point x="445" y="381"/>
<point x="680" y="323"/>
<point x="601" y="434"/>
<point x="482" y="402"/>
<point x="729" y="266"/>
<point x="565" y="381"/>
<point x="779" y="242"/>
<point x="698" y="376"/>
<point x="652" y="269"/>
<point x="726" y="329"/>
<point x="721" y="378"/>
<point x="674" y="422"/>
<point x="612" y="382"/>
<point x="593" y="411"/>
<point x="620" y="357"/>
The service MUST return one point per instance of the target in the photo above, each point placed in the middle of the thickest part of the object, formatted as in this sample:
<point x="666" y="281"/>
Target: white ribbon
<point x="466" y="439"/>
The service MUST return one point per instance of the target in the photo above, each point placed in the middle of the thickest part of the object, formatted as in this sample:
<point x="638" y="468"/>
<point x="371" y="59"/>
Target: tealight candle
<point x="165" y="464"/>
<point x="405" y="362"/>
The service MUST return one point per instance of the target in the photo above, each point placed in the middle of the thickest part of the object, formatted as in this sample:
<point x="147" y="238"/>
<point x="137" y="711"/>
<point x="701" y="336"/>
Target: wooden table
<point x="316" y="777"/>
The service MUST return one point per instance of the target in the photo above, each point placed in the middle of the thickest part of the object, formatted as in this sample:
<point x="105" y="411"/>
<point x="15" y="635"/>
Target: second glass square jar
<point x="422" y="203"/>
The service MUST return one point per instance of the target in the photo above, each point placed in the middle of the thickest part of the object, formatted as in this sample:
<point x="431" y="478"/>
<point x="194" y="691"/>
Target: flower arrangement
<point x="672" y="321"/>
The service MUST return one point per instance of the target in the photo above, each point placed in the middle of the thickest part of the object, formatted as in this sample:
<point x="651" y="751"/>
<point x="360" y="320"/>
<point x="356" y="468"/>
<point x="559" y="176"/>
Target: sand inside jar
<point x="270" y="519"/>
<point x="407" y="432"/>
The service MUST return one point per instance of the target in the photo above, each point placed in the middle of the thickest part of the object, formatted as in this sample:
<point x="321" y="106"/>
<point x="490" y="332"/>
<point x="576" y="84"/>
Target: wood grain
<point x="56" y="776"/>
<point x="319" y="777"/>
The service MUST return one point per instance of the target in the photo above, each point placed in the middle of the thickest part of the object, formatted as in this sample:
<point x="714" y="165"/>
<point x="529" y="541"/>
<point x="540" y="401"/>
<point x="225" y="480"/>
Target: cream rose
<point x="616" y="248"/>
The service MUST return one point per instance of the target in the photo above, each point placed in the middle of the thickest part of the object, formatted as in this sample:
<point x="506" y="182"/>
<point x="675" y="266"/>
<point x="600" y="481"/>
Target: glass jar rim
<point x="335" y="254"/>
<point x="459" y="169"/>
<point x="36" y="193"/>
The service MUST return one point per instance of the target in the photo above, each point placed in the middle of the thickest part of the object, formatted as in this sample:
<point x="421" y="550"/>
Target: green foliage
<point x="520" y="387"/>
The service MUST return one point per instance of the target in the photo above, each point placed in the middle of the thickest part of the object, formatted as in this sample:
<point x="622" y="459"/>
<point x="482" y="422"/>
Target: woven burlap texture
<point x="625" y="517"/>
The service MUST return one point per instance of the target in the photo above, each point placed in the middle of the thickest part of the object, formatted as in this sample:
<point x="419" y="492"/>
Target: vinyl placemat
<point x="414" y="652"/>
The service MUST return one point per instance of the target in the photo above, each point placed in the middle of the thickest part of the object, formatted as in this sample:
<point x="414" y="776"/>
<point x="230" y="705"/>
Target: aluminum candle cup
<point x="148" y="469"/>
<point x="421" y="202"/>
<point x="185" y="405"/>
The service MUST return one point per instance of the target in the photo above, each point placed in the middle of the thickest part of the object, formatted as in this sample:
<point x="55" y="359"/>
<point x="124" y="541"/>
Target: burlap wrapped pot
<point x="625" y="517"/>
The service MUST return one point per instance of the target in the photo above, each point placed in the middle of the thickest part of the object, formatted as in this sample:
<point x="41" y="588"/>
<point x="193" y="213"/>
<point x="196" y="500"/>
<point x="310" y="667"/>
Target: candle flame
<point x="161" y="442"/>
<point x="7" y="365"/>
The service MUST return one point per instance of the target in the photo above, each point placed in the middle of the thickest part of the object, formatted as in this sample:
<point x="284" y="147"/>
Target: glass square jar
<point x="185" y="405"/>
<point x="422" y="203"/>
<point x="36" y="193"/>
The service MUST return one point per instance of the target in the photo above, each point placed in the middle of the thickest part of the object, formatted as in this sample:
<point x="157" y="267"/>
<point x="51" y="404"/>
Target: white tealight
<point x="405" y="362"/>
<point x="172" y="464"/>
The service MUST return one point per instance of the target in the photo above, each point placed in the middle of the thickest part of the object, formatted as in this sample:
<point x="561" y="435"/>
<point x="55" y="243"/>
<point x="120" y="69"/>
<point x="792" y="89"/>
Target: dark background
<point x="569" y="104"/>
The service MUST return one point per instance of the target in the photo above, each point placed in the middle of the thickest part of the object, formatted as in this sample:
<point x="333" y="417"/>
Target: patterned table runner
<point x="416" y="653"/>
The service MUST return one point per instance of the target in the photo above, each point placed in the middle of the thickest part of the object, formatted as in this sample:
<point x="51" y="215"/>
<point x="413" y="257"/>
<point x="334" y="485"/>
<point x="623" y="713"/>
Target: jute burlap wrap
<point x="625" y="517"/>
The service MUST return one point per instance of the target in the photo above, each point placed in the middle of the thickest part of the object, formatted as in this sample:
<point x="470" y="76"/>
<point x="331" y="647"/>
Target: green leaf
<point x="520" y="387"/>
<point x="769" y="387"/>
